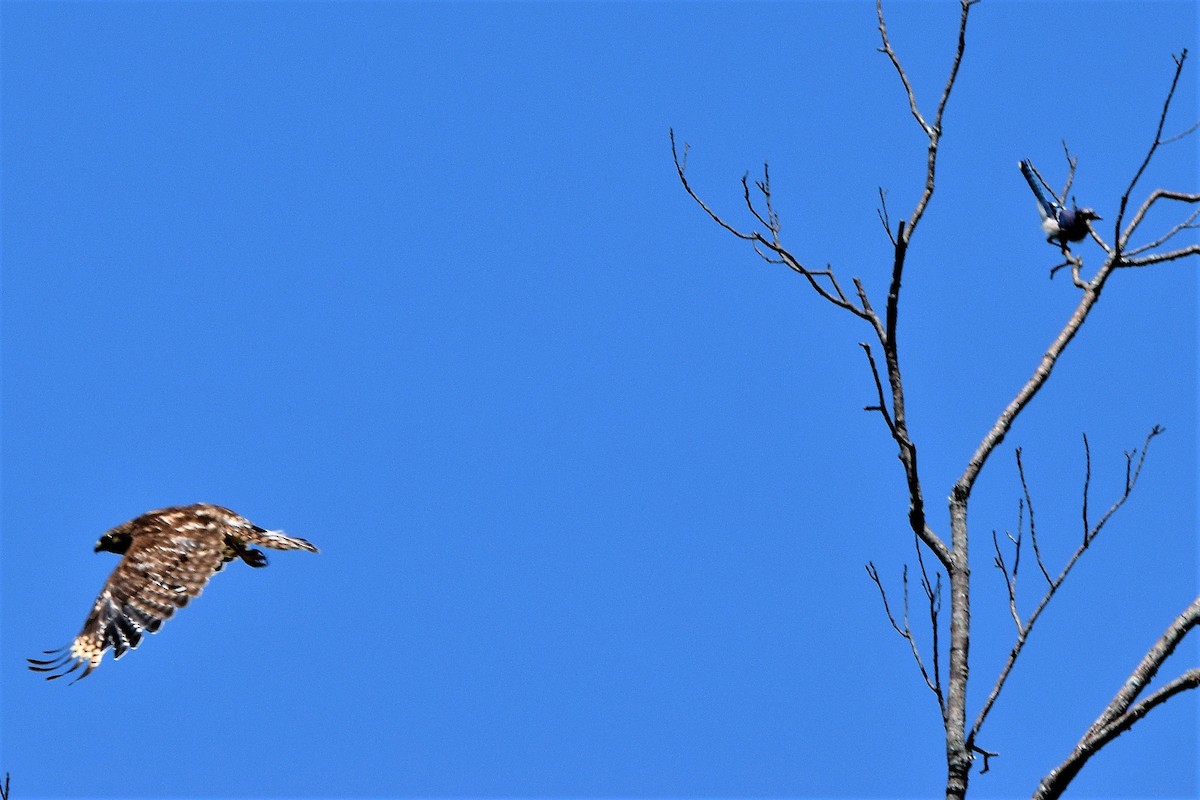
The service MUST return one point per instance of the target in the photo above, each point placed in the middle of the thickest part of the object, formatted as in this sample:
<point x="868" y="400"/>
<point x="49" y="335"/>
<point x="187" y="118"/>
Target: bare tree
<point x="948" y="683"/>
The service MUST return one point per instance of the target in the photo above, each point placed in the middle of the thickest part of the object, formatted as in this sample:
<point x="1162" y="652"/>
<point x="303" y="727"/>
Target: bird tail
<point x="1044" y="206"/>
<point x="277" y="540"/>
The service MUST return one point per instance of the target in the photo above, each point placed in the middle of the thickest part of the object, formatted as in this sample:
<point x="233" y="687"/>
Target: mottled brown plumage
<point x="169" y="555"/>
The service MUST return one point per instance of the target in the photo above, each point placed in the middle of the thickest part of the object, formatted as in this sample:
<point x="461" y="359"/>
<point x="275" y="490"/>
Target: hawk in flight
<point x="169" y="555"/>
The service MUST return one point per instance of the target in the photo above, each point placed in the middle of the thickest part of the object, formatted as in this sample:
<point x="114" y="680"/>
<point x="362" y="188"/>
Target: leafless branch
<point x="1154" y="197"/>
<point x="933" y="596"/>
<point x="1010" y="579"/>
<point x="778" y="254"/>
<point x="825" y="283"/>
<point x="1182" y="134"/>
<point x="1090" y="294"/>
<point x="1072" y="165"/>
<point x="1087" y="485"/>
<point x="1123" y="711"/>
<point x="1159" y="258"/>
<point x="1148" y="667"/>
<point x="866" y="303"/>
<point x="681" y="167"/>
<point x="883" y="216"/>
<point x="1122" y="238"/>
<point x="1187" y="224"/>
<point x="906" y="633"/>
<point x="882" y="406"/>
<point x="1026" y="393"/>
<point x="771" y="223"/>
<point x="954" y="557"/>
<point x="4" y="790"/>
<point x="1190" y="679"/>
<point x="987" y="755"/>
<point x="1023" y="630"/>
<point x="932" y="131"/>
<point x="1037" y="552"/>
<point x="1131" y="478"/>
<point x="770" y="249"/>
<point x="1076" y="264"/>
<point x="887" y="50"/>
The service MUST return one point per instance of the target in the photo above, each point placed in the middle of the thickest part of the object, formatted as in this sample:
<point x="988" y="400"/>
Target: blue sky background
<point x="592" y="484"/>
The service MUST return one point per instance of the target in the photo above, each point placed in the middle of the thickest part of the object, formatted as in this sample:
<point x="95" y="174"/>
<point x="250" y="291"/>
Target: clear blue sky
<point x="592" y="484"/>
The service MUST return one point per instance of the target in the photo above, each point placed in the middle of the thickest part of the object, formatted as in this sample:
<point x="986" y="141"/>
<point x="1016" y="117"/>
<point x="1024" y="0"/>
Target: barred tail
<point x="277" y="540"/>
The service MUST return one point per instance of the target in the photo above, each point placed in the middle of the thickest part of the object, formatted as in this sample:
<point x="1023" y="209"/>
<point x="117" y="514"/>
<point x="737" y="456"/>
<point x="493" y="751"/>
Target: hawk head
<point x="115" y="541"/>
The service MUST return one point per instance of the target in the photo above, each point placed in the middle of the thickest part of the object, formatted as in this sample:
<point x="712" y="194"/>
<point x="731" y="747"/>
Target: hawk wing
<point x="160" y="572"/>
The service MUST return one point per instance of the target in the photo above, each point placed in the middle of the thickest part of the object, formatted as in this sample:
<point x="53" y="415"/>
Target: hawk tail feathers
<point x="278" y="540"/>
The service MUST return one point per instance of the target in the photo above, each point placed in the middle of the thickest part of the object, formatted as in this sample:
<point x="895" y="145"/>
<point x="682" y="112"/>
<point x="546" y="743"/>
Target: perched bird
<point x="169" y="555"/>
<point x="1060" y="223"/>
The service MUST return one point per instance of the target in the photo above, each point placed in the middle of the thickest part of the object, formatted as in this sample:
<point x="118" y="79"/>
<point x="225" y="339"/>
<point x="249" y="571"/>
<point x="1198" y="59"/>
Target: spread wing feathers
<point x="169" y="556"/>
<point x="157" y="575"/>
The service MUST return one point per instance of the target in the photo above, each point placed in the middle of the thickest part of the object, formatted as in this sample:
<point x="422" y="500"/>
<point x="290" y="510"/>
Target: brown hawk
<point x="169" y="555"/>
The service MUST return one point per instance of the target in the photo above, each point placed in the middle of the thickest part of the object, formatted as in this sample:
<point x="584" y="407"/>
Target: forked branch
<point x="932" y="130"/>
<point x="772" y="251"/>
<point x="766" y="242"/>
<point x="1132" y="473"/>
<point x="1123" y="711"/>
<point x="933" y="593"/>
<point x="1123" y="237"/>
<point x="1128" y="258"/>
<point x="1091" y="291"/>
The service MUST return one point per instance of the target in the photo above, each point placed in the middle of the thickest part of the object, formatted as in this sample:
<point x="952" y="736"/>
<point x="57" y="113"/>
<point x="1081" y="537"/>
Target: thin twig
<point x="1131" y="479"/>
<point x="1072" y="165"/>
<point x="1076" y="264"/>
<point x="932" y="131"/>
<point x="1123" y="238"/>
<point x="882" y="406"/>
<point x="1182" y="134"/>
<point x="906" y="632"/>
<point x="1160" y="258"/>
<point x="987" y="754"/>
<point x="680" y="167"/>
<point x="887" y="50"/>
<point x="1087" y="483"/>
<point x="883" y="216"/>
<point x="1037" y="552"/>
<point x="1154" y="197"/>
<point x="1185" y="225"/>
<point x="771" y="222"/>
<point x="1010" y="583"/>
<point x="933" y="595"/>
